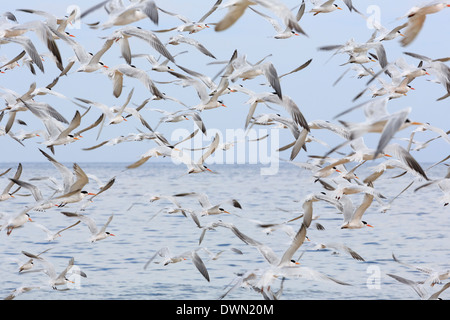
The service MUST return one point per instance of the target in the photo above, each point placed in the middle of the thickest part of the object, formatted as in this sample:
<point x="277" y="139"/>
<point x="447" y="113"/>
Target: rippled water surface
<point x="415" y="229"/>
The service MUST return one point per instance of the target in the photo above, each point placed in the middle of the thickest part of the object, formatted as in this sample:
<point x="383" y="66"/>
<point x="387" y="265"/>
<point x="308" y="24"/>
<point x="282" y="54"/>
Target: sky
<point x="312" y="88"/>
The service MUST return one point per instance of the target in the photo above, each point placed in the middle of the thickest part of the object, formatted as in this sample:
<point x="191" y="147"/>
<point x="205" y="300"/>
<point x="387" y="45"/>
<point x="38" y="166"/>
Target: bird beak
<point x="226" y="211"/>
<point x="402" y="34"/>
<point x="71" y="35"/>
<point x="111" y="234"/>
<point x="296" y="34"/>
<point x="105" y="67"/>
<point x="387" y="155"/>
<point x="369" y="225"/>
<point x="92" y="194"/>
<point x="417" y="123"/>
<point x="75" y="138"/>
<point x="209" y="169"/>
<point x="339" y="8"/>
<point x="338" y="170"/>
<point x="224" y="105"/>
<point x="29" y="219"/>
<point x="297" y="262"/>
<point x="412" y="88"/>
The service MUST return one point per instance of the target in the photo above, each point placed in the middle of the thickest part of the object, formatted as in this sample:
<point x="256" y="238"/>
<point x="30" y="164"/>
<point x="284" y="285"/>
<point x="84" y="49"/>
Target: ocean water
<point x="415" y="229"/>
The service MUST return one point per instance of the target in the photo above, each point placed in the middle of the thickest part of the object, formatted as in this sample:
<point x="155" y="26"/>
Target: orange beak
<point x="387" y="155"/>
<point x="92" y="194"/>
<point x="339" y="8"/>
<point x="111" y="234"/>
<point x="417" y="123"/>
<point x="369" y="225"/>
<point x="29" y="219"/>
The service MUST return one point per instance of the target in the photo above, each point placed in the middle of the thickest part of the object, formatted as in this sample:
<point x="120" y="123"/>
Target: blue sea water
<point x="415" y="229"/>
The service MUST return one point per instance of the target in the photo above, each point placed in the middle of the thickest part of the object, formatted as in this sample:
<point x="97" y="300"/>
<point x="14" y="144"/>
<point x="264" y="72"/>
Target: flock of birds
<point x="394" y="77"/>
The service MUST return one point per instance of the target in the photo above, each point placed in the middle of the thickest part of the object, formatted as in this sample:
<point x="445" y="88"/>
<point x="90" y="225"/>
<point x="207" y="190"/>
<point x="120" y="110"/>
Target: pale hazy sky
<point x="312" y="89"/>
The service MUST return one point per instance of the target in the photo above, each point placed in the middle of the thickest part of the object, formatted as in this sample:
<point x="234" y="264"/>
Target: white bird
<point x="88" y="62"/>
<point x="96" y="233"/>
<point x="14" y="33"/>
<point x="119" y="14"/>
<point x="339" y="247"/>
<point x="18" y="291"/>
<point x="244" y="70"/>
<point x="236" y="8"/>
<point x="325" y="7"/>
<point x="198" y="166"/>
<point x="51" y="236"/>
<point x="49" y="269"/>
<point x="169" y="258"/>
<point x="29" y="264"/>
<point x="117" y="72"/>
<point x="434" y="276"/>
<point x="178" y="39"/>
<point x="352" y="216"/>
<point x="282" y="33"/>
<point x="284" y="266"/>
<point x="11" y="222"/>
<point x="6" y="194"/>
<point x="73" y="182"/>
<point x="208" y="207"/>
<point x="416" y="19"/>
<point x="443" y="184"/>
<point x="57" y="23"/>
<point x="123" y="34"/>
<point x="188" y="25"/>
<point x="419" y="289"/>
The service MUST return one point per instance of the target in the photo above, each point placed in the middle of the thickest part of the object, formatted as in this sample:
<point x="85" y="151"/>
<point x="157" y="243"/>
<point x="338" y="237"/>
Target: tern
<point x="51" y="236"/>
<point x="418" y="288"/>
<point x="117" y="72"/>
<point x="236" y="8"/>
<point x="169" y="258"/>
<point x="326" y="7"/>
<point x="96" y="233"/>
<point x="339" y="247"/>
<point x="208" y="207"/>
<point x="416" y="19"/>
<point x="198" y="166"/>
<point x="284" y="266"/>
<point x="49" y="269"/>
<point x="120" y="15"/>
<point x="282" y="33"/>
<point x="188" y="25"/>
<point x="352" y="216"/>
<point x="178" y="39"/>
<point x="6" y="194"/>
<point x="29" y="264"/>
<point x="123" y="34"/>
<point x="11" y="222"/>
<point x="58" y="23"/>
<point x="434" y="276"/>
<point x="18" y="291"/>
